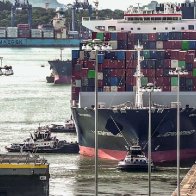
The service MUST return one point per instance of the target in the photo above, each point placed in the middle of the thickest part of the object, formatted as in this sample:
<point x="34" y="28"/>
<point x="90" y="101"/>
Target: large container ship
<point x="169" y="42"/>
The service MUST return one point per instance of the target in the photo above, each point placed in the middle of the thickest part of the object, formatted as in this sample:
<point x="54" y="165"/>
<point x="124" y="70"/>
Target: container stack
<point x="24" y="31"/>
<point x="3" y="32"/>
<point x="12" y="32"/>
<point x="163" y="52"/>
<point x="36" y="33"/>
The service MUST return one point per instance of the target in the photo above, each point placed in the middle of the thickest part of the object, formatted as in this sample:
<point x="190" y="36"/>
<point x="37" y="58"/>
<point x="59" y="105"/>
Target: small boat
<point x="135" y="160"/>
<point x="42" y="142"/>
<point x="68" y="127"/>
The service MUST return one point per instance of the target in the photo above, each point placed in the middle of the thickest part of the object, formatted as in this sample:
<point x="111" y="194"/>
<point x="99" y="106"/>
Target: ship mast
<point x="138" y="75"/>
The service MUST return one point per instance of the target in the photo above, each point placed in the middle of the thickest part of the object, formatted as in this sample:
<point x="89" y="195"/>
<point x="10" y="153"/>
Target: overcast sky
<point x="117" y="4"/>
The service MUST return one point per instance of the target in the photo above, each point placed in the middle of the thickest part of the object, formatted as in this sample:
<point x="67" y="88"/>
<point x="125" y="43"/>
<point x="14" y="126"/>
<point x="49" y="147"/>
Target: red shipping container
<point x="120" y="63"/>
<point x="190" y="58"/>
<point x="131" y="37"/>
<point x="113" y="64"/>
<point x="166" y="81"/>
<point x="185" y="35"/>
<point x="151" y="79"/>
<point x="152" y="37"/>
<point x="167" y="45"/>
<point x="122" y="36"/>
<point x="94" y="35"/>
<point x="121" y="88"/>
<point x="194" y="64"/>
<point x="131" y="64"/>
<point x="166" y="88"/>
<point x="159" y="72"/>
<point x="129" y="55"/>
<point x="84" y="72"/>
<point x="191" y="52"/>
<point x="168" y="54"/>
<point x="175" y="54"/>
<point x="90" y="64"/>
<point x="74" y="96"/>
<point x="130" y="46"/>
<point x="176" y="44"/>
<point x="105" y="63"/>
<point x="76" y="74"/>
<point x="145" y="72"/>
<point x="100" y="83"/>
<point x="130" y="72"/>
<point x="189" y="75"/>
<point x="192" y="35"/>
<point x="182" y="55"/>
<point x="107" y="36"/>
<point x="159" y="81"/>
<point x="100" y="67"/>
<point x="151" y="72"/>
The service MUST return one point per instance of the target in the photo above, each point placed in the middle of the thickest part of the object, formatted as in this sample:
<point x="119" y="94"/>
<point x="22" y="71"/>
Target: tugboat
<point x="42" y="142"/>
<point x="135" y="160"/>
<point x="69" y="127"/>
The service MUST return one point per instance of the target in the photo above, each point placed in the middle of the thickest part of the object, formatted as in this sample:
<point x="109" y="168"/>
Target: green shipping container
<point x="146" y="54"/>
<point x="185" y="45"/>
<point x="182" y="64"/>
<point x="100" y="36"/>
<point x="91" y="73"/>
<point x="194" y="72"/>
<point x="174" y="81"/>
<point x="144" y="81"/>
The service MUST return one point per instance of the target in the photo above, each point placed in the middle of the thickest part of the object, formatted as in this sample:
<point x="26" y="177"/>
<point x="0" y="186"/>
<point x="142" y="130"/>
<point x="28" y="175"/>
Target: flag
<point x="113" y="126"/>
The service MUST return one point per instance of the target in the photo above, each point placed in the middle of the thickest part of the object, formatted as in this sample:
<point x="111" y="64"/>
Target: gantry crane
<point x="76" y="6"/>
<point x="18" y="5"/>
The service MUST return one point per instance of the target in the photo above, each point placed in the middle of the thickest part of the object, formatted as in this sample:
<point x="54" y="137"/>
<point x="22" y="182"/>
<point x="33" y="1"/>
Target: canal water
<point x="26" y="101"/>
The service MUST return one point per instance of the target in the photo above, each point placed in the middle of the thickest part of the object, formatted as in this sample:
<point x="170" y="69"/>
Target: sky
<point x="118" y="4"/>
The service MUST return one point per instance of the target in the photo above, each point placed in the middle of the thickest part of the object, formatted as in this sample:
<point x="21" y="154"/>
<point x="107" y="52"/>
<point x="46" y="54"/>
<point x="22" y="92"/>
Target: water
<point x="26" y="101"/>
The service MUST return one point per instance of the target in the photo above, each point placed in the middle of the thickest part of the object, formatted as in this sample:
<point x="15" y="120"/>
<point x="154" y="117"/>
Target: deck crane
<point x="18" y="5"/>
<point x="76" y="6"/>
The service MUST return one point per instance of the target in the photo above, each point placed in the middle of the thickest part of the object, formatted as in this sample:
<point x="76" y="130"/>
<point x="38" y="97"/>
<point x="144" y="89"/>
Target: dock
<point x="188" y="184"/>
<point x="23" y="174"/>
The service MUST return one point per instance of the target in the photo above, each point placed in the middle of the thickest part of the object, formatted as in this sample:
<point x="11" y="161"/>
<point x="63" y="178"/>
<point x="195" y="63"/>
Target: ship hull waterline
<point x="135" y="128"/>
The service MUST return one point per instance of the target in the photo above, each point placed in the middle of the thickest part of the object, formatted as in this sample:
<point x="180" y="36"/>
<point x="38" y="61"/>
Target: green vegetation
<point x="43" y="16"/>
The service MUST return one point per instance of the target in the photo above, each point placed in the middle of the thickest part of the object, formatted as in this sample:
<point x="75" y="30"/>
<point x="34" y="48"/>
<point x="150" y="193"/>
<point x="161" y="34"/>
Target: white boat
<point x="135" y="160"/>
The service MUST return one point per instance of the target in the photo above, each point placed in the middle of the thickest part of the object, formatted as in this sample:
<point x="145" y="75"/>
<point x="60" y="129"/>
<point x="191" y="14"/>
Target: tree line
<point x="45" y="16"/>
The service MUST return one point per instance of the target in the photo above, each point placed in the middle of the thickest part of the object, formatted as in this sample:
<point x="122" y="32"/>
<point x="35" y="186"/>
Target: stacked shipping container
<point x="162" y="52"/>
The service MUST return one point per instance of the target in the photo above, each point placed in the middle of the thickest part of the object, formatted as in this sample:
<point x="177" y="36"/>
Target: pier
<point x="188" y="184"/>
<point x="23" y="174"/>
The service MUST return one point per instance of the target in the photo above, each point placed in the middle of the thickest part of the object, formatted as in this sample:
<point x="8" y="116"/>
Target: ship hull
<point x="134" y="124"/>
<point x="62" y="71"/>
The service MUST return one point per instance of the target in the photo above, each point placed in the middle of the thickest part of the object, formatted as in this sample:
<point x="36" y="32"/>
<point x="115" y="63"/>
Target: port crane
<point x="21" y="5"/>
<point x="79" y="5"/>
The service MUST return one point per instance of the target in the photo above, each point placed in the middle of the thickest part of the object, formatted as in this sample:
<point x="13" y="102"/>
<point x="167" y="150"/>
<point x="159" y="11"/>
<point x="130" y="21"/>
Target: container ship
<point x="61" y="71"/>
<point x="45" y="35"/>
<point x="168" y="38"/>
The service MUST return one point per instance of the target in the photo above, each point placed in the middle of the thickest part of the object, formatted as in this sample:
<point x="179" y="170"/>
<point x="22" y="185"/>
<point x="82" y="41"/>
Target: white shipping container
<point x="81" y="56"/>
<point x="174" y="88"/>
<point x="12" y="31"/>
<point x="2" y="33"/>
<point x="114" y="44"/>
<point x="36" y="33"/>
<point x="78" y="83"/>
<point x="100" y="76"/>
<point x="92" y="54"/>
<point x="159" y="44"/>
<point x="174" y="63"/>
<point x="106" y="89"/>
<point x="114" y="88"/>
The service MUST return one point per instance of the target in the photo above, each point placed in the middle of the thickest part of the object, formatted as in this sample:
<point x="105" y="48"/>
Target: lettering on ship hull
<point x="170" y="134"/>
<point x="12" y="42"/>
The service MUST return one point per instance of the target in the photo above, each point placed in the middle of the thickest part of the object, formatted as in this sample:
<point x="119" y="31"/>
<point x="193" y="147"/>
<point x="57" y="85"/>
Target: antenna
<point x="96" y="2"/>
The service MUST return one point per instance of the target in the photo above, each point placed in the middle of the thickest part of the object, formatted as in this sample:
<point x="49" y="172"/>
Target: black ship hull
<point x="62" y="71"/>
<point x="133" y="124"/>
